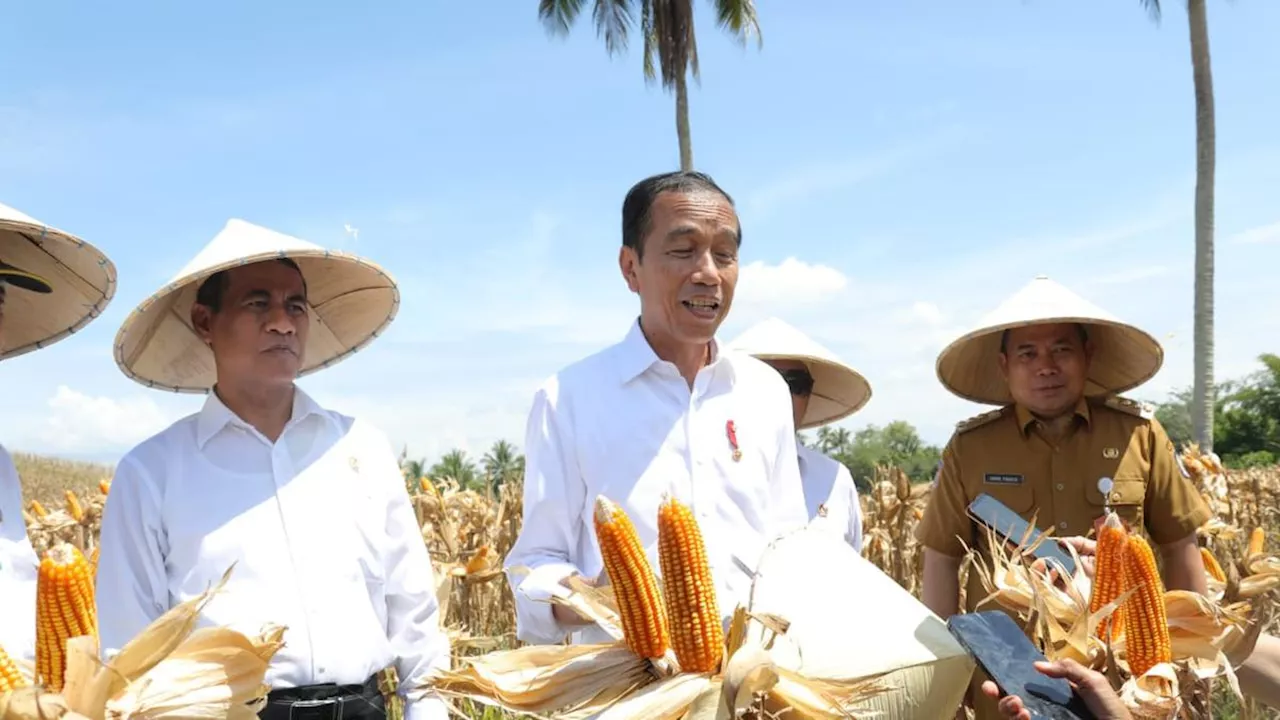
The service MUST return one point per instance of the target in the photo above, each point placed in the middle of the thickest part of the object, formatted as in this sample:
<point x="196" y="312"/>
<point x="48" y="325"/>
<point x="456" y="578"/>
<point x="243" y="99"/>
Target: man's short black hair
<point x="215" y="286"/>
<point x="1080" y="329"/>
<point x="637" y="206"/>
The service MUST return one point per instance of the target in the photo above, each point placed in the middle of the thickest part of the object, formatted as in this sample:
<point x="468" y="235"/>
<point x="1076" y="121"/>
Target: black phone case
<point x="1006" y="654"/>
<point x="1049" y="549"/>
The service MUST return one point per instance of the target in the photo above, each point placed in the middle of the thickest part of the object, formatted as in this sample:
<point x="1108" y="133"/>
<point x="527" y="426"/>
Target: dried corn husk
<point x="1154" y="696"/>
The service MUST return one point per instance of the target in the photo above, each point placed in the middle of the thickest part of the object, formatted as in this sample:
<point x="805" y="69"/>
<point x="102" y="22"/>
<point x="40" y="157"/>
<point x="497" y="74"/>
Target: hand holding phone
<point x="1006" y="523"/>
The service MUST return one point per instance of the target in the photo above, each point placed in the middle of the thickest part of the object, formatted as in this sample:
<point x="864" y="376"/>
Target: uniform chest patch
<point x="1001" y="479"/>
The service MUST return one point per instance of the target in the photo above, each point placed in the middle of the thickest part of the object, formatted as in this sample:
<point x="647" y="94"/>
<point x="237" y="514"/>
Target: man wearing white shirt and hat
<point x="309" y="504"/>
<point x="52" y="284"/>
<point x="823" y="390"/>
<point x="663" y="410"/>
<point x="1063" y="445"/>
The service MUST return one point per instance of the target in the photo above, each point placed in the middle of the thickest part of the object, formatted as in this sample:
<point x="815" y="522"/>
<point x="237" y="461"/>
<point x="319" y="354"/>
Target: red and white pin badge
<point x="732" y="432"/>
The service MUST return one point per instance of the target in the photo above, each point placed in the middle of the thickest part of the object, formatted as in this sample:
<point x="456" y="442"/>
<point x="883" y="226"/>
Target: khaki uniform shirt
<point x="1005" y="454"/>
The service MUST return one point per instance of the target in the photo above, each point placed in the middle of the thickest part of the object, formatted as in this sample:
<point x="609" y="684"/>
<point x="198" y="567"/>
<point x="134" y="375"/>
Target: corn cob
<point x="64" y="610"/>
<point x="37" y="509"/>
<point x="1257" y="540"/>
<point x="1109" y="580"/>
<point x="697" y="635"/>
<point x="635" y="587"/>
<point x="1211" y="565"/>
<point x="1146" y="627"/>
<point x="104" y="486"/>
<point x="10" y="678"/>
<point x="74" y="508"/>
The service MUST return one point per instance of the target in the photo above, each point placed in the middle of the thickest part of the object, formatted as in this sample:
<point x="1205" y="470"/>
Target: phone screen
<point x="1007" y="523"/>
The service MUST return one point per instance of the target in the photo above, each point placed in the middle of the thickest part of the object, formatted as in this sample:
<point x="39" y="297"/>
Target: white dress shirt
<point x="827" y="482"/>
<point x="319" y="527"/>
<point x="19" y="568"/>
<point x="625" y="424"/>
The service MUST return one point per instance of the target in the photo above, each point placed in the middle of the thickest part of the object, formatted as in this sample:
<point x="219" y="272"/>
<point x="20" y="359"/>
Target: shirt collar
<point x="635" y="355"/>
<point x="1025" y="418"/>
<point x="215" y="415"/>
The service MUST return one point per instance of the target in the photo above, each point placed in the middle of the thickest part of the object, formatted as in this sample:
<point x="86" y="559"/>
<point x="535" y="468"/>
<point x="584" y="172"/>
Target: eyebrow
<point x="266" y="295"/>
<point x="686" y="230"/>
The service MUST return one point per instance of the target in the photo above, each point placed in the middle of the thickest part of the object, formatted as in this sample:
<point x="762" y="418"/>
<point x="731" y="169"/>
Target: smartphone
<point x="1008" y="524"/>
<point x="1007" y="655"/>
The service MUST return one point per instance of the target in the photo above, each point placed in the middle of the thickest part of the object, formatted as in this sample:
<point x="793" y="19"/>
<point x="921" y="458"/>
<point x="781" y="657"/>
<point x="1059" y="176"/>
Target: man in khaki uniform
<point x="1062" y="445"/>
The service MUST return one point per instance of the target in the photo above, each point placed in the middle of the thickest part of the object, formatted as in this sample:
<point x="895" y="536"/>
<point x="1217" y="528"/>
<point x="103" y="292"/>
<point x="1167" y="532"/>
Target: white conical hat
<point x="834" y="600"/>
<point x="60" y="282"/>
<point x="1124" y="356"/>
<point x="838" y="390"/>
<point x="352" y="301"/>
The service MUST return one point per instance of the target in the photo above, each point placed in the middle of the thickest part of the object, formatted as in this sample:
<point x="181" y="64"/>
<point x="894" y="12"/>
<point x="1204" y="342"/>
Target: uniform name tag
<point x="1002" y="479"/>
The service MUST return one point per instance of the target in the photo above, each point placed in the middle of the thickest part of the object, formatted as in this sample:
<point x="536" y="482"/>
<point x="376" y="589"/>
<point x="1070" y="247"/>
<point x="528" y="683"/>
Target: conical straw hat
<point x="1124" y="356"/>
<point x="352" y="301"/>
<point x="809" y="578"/>
<point x="59" y="283"/>
<point x="838" y="390"/>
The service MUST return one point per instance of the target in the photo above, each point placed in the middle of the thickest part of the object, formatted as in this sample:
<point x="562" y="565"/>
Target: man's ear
<point x="629" y="264"/>
<point x="1003" y="359"/>
<point x="202" y="322"/>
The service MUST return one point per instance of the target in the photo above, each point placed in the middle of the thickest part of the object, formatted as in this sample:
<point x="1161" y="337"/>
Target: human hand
<point x="1091" y="686"/>
<point x="566" y="615"/>
<point x="1086" y="550"/>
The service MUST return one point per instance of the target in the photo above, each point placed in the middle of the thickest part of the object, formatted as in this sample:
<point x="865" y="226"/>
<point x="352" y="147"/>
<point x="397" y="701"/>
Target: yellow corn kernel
<point x="1211" y="565"/>
<point x="697" y="635"/>
<point x="74" y="509"/>
<point x="37" y="509"/>
<point x="1257" y="540"/>
<point x="64" y="610"/>
<point x="10" y="678"/>
<point x="635" y="587"/>
<point x="1109" y="579"/>
<point x="1146" y="627"/>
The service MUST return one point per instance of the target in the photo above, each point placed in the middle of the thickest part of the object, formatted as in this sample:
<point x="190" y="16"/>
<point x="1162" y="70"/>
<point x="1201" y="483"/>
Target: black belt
<point x="327" y="701"/>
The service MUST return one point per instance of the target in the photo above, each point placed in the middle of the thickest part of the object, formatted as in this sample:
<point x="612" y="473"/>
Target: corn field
<point x="469" y="533"/>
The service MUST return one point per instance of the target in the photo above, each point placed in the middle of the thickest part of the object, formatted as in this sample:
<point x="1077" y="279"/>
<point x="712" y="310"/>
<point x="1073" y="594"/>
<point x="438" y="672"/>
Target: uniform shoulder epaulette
<point x="1132" y="407"/>
<point x="978" y="421"/>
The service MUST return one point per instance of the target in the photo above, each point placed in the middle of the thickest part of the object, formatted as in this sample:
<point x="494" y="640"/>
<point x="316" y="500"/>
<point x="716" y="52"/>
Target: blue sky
<point x="899" y="168"/>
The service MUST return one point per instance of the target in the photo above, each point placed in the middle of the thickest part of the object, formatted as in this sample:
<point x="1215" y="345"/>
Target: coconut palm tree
<point x="456" y="465"/>
<point x="1202" y="78"/>
<point x="501" y="463"/>
<point x="669" y="38"/>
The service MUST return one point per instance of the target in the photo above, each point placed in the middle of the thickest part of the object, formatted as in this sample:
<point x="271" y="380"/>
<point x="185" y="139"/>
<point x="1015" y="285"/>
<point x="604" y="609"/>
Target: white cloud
<point x="83" y="423"/>
<point x="792" y="282"/>
<point x="1262" y="234"/>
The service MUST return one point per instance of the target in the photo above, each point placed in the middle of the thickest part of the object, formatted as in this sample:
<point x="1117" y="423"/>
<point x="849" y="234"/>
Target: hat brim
<point x="1124" y="357"/>
<point x="838" y="391"/>
<point x="351" y="302"/>
<point x="70" y="280"/>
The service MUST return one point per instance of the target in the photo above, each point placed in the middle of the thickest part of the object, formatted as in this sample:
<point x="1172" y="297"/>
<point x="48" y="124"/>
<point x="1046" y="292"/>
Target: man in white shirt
<point x="664" y="410"/>
<point x="309" y="504"/>
<point x="823" y="390"/>
<point x="56" y="284"/>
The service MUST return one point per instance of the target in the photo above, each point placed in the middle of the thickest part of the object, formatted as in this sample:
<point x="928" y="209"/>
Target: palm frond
<point x="613" y="22"/>
<point x="1153" y="8"/>
<point x="673" y="37"/>
<point x="740" y="19"/>
<point x="650" y="39"/>
<point x="557" y="16"/>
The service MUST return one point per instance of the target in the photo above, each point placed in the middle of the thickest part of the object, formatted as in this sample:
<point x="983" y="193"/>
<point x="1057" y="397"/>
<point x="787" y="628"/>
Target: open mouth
<point x="704" y="308"/>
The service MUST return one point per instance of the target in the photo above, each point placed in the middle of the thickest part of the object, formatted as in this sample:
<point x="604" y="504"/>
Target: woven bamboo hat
<point x="67" y="283"/>
<point x="1124" y="356"/>
<point x="351" y="301"/>
<point x="838" y="389"/>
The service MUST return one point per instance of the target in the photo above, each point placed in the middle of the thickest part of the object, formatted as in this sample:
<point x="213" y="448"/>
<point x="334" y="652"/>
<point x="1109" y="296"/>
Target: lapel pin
<point x="732" y="432"/>
<point x="1110" y="453"/>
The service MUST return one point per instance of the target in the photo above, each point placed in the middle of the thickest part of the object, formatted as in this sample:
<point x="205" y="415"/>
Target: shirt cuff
<point x="535" y="622"/>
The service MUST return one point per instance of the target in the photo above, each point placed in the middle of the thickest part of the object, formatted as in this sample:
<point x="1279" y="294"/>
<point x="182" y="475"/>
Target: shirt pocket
<point x="1128" y="494"/>
<point x="1018" y="497"/>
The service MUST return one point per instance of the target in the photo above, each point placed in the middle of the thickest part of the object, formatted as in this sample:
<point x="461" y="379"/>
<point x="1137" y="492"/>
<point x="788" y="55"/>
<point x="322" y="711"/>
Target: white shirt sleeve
<point x="132" y="585"/>
<point x="550" y="533"/>
<point x="19" y="567"/>
<point x="844" y="479"/>
<point x="413" y="610"/>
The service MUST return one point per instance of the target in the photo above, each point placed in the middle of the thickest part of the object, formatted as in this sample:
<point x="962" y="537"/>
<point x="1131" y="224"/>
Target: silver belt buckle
<point x="336" y="702"/>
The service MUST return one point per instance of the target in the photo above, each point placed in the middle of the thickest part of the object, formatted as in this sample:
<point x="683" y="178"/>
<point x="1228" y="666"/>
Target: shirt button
<point x="1063" y="525"/>
<point x="1059" y="486"/>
